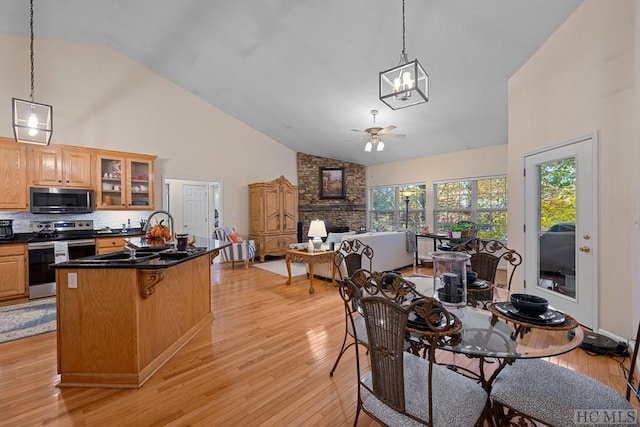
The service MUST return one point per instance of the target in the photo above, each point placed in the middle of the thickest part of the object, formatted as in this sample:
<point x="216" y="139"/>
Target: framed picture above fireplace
<point x="332" y="183"/>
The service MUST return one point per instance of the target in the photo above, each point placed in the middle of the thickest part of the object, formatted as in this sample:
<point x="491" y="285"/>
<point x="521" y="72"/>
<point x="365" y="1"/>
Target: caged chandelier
<point x="32" y="122"/>
<point x="406" y="84"/>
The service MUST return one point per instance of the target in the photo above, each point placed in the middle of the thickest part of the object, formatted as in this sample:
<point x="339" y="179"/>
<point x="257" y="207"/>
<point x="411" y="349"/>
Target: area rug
<point x="280" y="267"/>
<point x="24" y="320"/>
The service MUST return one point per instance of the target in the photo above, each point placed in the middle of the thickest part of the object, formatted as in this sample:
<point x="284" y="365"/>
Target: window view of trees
<point x="388" y="207"/>
<point x="482" y="201"/>
<point x="557" y="193"/>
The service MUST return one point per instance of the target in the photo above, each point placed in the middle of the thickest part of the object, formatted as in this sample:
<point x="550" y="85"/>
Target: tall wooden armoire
<point x="273" y="218"/>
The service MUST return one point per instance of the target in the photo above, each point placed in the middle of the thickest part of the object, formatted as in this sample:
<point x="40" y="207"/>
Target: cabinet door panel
<point x="13" y="278"/>
<point x="76" y="169"/>
<point x="46" y="164"/>
<point x="139" y="184"/>
<point x="13" y="176"/>
<point x="272" y="210"/>
<point x="290" y="209"/>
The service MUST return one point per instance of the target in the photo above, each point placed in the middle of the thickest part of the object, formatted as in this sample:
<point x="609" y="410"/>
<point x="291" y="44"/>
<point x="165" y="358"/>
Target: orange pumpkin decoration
<point x="160" y="231"/>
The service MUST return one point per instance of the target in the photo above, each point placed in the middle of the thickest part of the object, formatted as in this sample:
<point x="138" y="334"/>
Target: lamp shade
<point x="317" y="229"/>
<point x="407" y="193"/>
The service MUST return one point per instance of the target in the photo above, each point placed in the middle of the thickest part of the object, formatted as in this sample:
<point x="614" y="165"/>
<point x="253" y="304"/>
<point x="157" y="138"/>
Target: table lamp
<point x="317" y="230"/>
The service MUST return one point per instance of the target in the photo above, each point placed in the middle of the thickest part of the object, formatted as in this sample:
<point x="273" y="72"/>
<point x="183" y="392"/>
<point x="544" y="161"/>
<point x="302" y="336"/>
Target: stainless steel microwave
<point x="61" y="200"/>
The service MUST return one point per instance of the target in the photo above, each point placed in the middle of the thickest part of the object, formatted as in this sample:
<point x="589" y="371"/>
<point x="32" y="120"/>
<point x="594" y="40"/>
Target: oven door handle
<point x="71" y="243"/>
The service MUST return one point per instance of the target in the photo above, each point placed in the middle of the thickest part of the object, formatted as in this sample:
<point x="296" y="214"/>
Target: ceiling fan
<point x="375" y="134"/>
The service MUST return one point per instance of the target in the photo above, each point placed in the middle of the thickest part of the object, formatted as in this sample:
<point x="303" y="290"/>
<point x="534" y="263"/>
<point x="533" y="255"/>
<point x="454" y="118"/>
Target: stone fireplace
<point x="350" y="211"/>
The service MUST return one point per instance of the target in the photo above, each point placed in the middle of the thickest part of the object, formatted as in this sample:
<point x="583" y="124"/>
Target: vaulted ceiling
<point x="306" y="72"/>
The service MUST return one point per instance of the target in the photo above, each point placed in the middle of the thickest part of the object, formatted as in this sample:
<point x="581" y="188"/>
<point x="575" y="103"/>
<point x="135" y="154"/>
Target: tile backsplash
<point x="113" y="219"/>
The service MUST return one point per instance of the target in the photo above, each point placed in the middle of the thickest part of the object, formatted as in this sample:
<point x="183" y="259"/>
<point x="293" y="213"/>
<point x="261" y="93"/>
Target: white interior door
<point x="560" y="228"/>
<point x="195" y="203"/>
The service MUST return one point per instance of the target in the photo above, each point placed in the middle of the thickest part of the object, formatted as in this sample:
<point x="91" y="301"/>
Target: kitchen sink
<point x="115" y="257"/>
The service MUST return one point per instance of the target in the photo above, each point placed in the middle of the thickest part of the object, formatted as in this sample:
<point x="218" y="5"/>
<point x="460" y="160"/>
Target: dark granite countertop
<point x="147" y="256"/>
<point x="26" y="237"/>
<point x="17" y="238"/>
<point x="115" y="232"/>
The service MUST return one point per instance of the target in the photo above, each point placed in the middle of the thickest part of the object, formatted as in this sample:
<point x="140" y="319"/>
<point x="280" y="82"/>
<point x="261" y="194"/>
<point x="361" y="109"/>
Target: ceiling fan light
<point x="380" y="146"/>
<point x="368" y="147"/>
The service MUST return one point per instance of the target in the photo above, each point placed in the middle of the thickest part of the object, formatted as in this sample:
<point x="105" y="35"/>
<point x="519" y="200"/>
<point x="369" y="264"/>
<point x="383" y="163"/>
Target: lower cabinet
<point x="13" y="271"/>
<point x="105" y="245"/>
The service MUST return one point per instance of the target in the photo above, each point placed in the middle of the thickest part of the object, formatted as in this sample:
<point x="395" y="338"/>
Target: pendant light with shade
<point x="32" y="121"/>
<point x="407" y="83"/>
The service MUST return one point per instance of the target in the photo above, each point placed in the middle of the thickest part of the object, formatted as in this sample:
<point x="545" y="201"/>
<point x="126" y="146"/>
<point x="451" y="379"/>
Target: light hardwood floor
<point x="264" y="360"/>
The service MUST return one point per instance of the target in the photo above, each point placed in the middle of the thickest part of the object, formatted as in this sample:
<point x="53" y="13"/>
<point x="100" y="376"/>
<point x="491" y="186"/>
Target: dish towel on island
<point x="61" y="252"/>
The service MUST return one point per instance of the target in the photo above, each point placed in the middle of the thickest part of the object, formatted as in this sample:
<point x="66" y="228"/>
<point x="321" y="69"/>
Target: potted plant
<point x="468" y="228"/>
<point x="462" y="228"/>
<point x="455" y="231"/>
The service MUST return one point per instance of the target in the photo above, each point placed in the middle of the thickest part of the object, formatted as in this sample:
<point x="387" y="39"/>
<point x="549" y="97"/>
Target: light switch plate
<point x="72" y="280"/>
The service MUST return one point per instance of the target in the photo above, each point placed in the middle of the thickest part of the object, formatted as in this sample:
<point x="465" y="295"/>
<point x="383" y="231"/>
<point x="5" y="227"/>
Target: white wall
<point x="103" y="99"/>
<point x="584" y="79"/>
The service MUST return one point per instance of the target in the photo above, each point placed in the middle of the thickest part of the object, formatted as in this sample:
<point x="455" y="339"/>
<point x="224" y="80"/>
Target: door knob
<point x="586" y="236"/>
<point x="585" y="249"/>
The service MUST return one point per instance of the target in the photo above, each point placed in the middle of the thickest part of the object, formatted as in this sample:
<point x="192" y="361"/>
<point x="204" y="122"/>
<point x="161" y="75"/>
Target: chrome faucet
<point x="131" y="249"/>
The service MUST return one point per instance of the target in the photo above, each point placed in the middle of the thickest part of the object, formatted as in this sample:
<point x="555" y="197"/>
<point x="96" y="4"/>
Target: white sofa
<point x="389" y="252"/>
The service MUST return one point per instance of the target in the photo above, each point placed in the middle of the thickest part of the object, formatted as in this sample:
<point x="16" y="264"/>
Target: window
<point x="388" y="207"/>
<point x="483" y="201"/>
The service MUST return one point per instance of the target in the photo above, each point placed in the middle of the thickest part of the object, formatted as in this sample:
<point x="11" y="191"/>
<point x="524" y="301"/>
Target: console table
<point x="310" y="258"/>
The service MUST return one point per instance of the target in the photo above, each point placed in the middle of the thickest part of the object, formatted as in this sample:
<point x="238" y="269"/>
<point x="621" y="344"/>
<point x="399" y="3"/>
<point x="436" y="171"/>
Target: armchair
<point x="239" y="250"/>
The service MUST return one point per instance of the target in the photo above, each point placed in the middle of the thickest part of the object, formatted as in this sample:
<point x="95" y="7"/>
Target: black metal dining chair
<point x="404" y="389"/>
<point x="555" y="395"/>
<point x="633" y="384"/>
<point x="535" y="389"/>
<point x="349" y="258"/>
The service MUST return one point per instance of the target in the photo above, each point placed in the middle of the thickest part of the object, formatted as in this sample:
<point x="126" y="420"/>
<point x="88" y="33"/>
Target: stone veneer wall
<point x="350" y="211"/>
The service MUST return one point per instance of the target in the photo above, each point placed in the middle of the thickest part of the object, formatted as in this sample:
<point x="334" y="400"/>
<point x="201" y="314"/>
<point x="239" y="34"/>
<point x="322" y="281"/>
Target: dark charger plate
<point x="549" y="318"/>
<point x="478" y="284"/>
<point x="416" y="322"/>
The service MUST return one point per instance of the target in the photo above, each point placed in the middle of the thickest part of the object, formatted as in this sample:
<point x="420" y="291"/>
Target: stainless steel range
<point x="75" y="236"/>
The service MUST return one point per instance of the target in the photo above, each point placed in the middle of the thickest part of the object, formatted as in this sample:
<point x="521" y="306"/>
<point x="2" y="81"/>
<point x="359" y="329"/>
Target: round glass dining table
<point x="486" y="334"/>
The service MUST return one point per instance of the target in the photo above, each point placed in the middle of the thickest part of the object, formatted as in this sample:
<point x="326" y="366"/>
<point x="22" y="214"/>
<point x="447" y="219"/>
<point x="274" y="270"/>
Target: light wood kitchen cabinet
<point x="60" y="166"/>
<point x="124" y="182"/>
<point x="105" y="245"/>
<point x="13" y="271"/>
<point x="13" y="175"/>
<point x="273" y="218"/>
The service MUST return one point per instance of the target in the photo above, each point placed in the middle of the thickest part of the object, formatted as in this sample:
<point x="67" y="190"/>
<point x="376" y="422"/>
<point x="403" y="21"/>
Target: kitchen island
<point x="120" y="319"/>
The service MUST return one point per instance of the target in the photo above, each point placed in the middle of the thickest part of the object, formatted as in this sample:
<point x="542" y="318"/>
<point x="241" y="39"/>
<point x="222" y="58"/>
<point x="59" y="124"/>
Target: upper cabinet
<point x="125" y="181"/>
<point x="13" y="175"/>
<point x="60" y="166"/>
<point x="120" y="180"/>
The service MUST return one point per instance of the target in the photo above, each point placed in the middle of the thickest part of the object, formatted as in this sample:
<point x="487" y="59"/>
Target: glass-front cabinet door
<point x="139" y="184"/>
<point x="125" y="183"/>
<point x="111" y="189"/>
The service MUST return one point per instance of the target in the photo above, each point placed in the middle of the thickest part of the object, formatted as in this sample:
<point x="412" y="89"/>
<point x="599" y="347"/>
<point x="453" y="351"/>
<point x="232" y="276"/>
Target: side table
<point x="310" y="258"/>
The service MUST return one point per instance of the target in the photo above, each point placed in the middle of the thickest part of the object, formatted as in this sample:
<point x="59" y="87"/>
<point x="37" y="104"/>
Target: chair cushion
<point x="457" y="400"/>
<point x="551" y="393"/>
<point x="239" y="250"/>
